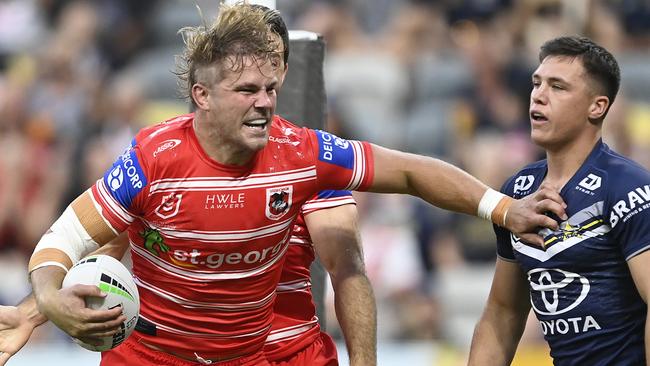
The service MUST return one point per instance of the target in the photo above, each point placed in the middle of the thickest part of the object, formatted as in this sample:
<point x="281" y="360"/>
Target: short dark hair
<point x="274" y="19"/>
<point x="600" y="65"/>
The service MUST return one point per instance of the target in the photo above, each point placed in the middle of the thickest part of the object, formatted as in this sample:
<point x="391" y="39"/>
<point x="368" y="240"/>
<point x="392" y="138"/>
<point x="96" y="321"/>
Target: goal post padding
<point x="302" y="100"/>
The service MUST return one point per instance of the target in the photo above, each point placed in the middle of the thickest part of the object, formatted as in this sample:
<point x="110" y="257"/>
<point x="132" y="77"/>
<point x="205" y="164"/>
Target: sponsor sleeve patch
<point x="333" y="194"/>
<point x="629" y="215"/>
<point x="125" y="179"/>
<point x="334" y="150"/>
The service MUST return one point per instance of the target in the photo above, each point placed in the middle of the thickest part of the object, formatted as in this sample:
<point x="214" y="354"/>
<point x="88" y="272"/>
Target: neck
<point x="216" y="148"/>
<point x="564" y="161"/>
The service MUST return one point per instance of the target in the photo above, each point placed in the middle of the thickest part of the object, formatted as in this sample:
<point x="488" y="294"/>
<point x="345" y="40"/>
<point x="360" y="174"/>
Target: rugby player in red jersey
<point x="207" y="277"/>
<point x="327" y="225"/>
<point x="295" y="337"/>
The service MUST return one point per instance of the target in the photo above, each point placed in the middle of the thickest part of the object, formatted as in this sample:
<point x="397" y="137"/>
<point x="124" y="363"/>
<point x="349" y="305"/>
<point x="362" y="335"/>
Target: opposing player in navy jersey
<point x="589" y="284"/>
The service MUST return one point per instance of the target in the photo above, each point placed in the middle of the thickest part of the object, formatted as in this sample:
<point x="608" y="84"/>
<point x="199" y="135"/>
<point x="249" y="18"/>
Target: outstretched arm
<point x="335" y="235"/>
<point x="448" y="187"/>
<point x="500" y="328"/>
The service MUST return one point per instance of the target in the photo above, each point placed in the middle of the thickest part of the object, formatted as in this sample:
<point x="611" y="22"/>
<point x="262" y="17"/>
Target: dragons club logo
<point x="278" y="201"/>
<point x="154" y="242"/>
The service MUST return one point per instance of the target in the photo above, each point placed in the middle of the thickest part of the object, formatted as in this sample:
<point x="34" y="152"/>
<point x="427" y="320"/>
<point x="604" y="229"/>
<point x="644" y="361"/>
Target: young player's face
<point x="242" y="103"/>
<point x="560" y="101"/>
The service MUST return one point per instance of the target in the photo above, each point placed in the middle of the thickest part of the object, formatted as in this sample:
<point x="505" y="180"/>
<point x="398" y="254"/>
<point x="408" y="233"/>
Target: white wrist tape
<point x="69" y="236"/>
<point x="488" y="203"/>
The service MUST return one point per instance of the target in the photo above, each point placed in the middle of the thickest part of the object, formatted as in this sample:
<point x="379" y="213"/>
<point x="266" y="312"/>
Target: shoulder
<point x="627" y="187"/>
<point x="627" y="184"/>
<point x="287" y="136"/>
<point x="620" y="171"/>
<point x="283" y="131"/>
<point x="526" y="180"/>
<point x="164" y="136"/>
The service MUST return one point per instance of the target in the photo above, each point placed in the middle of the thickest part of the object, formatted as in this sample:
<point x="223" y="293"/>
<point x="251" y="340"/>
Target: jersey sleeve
<point x="342" y="164"/>
<point x="115" y="195"/>
<point x="504" y="243"/>
<point x="327" y="199"/>
<point x="629" y="213"/>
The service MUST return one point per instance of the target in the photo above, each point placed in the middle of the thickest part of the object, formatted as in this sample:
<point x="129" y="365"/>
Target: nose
<point x="264" y="99"/>
<point x="538" y="95"/>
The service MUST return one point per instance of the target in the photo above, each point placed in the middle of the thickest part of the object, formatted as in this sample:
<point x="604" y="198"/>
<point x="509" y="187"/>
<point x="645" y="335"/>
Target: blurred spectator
<point x="21" y="28"/>
<point x="634" y="15"/>
<point x="118" y="114"/>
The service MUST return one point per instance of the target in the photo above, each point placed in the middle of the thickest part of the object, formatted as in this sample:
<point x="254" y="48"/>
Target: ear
<point x="200" y="96"/>
<point x="286" y="68"/>
<point x="598" y="107"/>
<point x="283" y="74"/>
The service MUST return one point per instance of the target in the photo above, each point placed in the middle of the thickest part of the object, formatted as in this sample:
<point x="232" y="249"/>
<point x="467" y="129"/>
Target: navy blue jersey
<point x="580" y="286"/>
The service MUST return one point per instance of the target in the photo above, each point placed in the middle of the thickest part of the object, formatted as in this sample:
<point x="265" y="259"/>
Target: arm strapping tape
<point x="494" y="207"/>
<point x="67" y="235"/>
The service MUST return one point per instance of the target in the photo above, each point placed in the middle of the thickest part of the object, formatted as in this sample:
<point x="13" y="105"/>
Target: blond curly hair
<point x="239" y="31"/>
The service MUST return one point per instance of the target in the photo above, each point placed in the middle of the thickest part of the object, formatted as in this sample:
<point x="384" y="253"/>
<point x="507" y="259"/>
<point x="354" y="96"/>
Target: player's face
<point x="242" y="103"/>
<point x="560" y="101"/>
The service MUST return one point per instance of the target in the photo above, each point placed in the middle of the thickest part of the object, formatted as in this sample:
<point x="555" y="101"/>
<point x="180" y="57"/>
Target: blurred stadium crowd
<point x="445" y="78"/>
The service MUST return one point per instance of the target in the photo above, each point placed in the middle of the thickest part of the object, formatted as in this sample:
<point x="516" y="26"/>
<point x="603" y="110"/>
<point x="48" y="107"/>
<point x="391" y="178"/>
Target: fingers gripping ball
<point x="116" y="281"/>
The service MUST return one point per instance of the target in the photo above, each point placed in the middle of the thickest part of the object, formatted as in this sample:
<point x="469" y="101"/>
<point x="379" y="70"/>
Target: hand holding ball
<point x="116" y="281"/>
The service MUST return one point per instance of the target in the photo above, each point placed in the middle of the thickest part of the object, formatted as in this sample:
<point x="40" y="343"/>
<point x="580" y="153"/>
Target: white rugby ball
<point x="116" y="281"/>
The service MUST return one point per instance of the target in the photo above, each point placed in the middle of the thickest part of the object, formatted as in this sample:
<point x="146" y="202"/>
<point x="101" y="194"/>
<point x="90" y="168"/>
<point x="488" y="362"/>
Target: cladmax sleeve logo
<point x="335" y="150"/>
<point x="126" y="178"/>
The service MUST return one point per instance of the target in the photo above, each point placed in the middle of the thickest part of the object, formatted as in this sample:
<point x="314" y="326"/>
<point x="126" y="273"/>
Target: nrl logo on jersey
<point x="169" y="206"/>
<point x="278" y="201"/>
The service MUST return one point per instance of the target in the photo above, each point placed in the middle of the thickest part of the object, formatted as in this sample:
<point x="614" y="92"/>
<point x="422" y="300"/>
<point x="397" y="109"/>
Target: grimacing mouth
<point x="538" y="116"/>
<point x="257" y="123"/>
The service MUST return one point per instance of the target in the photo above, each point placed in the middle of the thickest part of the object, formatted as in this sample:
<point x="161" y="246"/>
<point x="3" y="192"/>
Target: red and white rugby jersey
<point x="295" y="325"/>
<point x="207" y="239"/>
